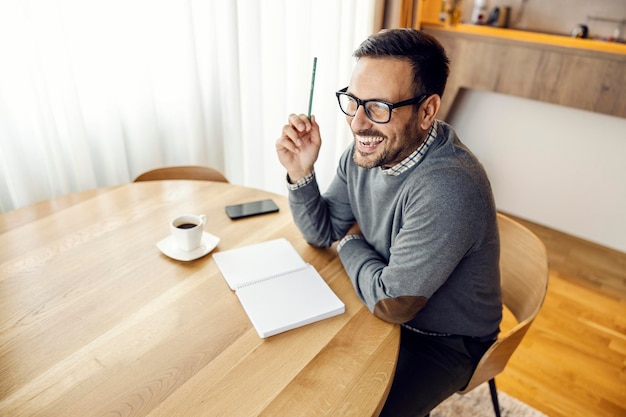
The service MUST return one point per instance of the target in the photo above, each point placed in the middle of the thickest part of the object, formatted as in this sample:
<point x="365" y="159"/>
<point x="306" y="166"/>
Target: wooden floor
<point x="572" y="362"/>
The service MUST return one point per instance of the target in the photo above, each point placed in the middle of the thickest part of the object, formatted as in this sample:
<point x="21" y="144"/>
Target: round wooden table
<point x="96" y="321"/>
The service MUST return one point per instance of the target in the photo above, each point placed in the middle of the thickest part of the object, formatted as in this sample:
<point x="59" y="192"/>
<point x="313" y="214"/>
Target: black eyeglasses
<point x="378" y="111"/>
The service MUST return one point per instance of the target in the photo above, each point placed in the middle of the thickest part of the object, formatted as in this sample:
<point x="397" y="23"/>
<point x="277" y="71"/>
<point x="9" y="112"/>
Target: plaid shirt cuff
<point x="301" y="182"/>
<point x="346" y="239"/>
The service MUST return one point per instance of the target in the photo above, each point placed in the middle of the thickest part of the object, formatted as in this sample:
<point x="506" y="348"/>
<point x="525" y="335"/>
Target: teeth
<point x="369" y="139"/>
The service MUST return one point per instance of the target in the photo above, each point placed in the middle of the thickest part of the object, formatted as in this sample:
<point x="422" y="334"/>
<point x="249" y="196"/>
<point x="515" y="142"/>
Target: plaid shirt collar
<point x="416" y="156"/>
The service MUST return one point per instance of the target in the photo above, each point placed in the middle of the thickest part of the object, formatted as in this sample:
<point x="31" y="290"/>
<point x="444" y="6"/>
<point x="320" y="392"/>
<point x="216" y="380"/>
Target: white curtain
<point x="94" y="92"/>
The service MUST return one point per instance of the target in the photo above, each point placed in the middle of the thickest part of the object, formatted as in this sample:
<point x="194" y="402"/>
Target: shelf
<point x="531" y="37"/>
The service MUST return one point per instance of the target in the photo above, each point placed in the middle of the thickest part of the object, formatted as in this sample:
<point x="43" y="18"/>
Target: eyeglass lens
<point x="377" y="111"/>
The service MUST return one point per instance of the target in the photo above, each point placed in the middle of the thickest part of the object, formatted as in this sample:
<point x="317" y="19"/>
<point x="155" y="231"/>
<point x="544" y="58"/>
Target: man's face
<point x="384" y="145"/>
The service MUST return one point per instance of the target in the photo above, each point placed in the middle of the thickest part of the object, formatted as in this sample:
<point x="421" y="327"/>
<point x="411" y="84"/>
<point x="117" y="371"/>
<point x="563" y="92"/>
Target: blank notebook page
<point x="289" y="301"/>
<point x="258" y="261"/>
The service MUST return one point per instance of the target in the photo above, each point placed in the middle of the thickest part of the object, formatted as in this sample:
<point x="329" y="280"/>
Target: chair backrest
<point x="524" y="277"/>
<point x="192" y="172"/>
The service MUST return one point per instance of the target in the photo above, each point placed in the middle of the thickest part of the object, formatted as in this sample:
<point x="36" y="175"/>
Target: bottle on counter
<point x="479" y="13"/>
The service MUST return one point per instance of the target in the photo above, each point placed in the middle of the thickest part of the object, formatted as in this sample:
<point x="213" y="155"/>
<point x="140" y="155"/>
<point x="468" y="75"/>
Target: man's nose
<point x="360" y="121"/>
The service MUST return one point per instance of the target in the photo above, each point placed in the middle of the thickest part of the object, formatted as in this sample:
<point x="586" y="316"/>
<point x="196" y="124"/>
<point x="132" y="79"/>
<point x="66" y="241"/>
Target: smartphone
<point x="253" y="208"/>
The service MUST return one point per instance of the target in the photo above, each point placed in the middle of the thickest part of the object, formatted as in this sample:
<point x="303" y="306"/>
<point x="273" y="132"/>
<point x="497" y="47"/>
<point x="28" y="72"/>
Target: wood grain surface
<point x="95" y="321"/>
<point x="580" y="78"/>
<point x="572" y="361"/>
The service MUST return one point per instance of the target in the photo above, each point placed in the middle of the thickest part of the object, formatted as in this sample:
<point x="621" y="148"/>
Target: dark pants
<point x="429" y="370"/>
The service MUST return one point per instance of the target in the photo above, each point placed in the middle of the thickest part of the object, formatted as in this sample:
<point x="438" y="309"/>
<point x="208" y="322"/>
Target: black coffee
<point x="186" y="226"/>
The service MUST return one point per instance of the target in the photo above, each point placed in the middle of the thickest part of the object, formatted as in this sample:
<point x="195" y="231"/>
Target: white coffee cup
<point x="187" y="231"/>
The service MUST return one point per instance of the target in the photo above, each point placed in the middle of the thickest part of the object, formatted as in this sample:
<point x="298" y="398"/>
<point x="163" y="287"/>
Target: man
<point x="413" y="211"/>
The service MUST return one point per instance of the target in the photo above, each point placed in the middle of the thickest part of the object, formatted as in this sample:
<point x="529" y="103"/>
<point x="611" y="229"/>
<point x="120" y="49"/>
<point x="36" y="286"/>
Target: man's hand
<point x="299" y="146"/>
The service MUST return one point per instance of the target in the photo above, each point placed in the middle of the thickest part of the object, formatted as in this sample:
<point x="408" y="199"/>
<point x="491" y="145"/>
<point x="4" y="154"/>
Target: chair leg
<point x="494" y="396"/>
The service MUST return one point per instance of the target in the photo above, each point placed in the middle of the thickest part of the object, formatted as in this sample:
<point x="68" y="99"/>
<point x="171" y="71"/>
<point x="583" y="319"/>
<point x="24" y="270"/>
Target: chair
<point x="524" y="277"/>
<point x="192" y="172"/>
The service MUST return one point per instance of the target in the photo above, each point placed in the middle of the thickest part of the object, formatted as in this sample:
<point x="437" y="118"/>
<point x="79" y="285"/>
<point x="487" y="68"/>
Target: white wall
<point x="557" y="166"/>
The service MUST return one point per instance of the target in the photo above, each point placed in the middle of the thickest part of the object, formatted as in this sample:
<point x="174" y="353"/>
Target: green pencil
<point x="312" y="87"/>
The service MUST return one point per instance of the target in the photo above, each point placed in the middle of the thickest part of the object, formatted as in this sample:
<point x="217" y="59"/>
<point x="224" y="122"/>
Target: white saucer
<point x="209" y="242"/>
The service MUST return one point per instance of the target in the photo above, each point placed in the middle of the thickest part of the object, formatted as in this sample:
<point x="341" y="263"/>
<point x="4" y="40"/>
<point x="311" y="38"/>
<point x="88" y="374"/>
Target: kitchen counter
<point x="580" y="73"/>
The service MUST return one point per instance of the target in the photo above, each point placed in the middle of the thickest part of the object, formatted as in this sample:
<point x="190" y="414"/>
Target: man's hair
<point x="427" y="57"/>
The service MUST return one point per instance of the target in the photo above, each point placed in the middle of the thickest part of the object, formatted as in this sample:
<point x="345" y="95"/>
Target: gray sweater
<point x="430" y="249"/>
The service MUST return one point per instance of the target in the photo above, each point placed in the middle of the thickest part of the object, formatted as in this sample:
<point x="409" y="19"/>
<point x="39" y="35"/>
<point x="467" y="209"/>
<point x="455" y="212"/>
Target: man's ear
<point x="429" y="111"/>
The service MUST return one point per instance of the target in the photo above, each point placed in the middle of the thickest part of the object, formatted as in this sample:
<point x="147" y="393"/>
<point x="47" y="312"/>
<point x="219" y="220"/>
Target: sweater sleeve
<point x="323" y="219"/>
<point x="439" y="225"/>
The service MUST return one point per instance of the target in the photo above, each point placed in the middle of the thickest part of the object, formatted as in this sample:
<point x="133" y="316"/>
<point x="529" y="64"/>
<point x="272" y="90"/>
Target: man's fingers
<point x="285" y="143"/>
<point x="300" y="122"/>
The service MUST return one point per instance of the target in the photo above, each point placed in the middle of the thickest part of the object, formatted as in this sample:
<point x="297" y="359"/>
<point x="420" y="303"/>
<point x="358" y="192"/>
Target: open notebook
<point x="277" y="289"/>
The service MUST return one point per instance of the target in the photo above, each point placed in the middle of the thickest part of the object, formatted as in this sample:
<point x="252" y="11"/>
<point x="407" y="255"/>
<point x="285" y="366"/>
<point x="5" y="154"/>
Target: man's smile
<point x="368" y="144"/>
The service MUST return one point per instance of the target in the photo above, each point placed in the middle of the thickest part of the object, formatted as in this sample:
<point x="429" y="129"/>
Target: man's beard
<point x="383" y="159"/>
<point x="389" y="157"/>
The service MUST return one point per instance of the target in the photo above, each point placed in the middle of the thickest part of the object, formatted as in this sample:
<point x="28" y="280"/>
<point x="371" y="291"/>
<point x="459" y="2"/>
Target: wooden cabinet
<point x="583" y="74"/>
